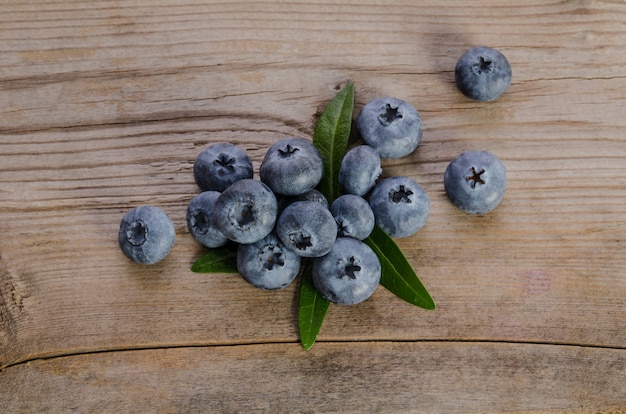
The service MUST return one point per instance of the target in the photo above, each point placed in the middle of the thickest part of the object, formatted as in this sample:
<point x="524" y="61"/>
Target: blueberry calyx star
<point x="350" y="268"/>
<point x="476" y="177"/>
<point x="401" y="195"/>
<point x="389" y="115"/>
<point x="483" y="66"/>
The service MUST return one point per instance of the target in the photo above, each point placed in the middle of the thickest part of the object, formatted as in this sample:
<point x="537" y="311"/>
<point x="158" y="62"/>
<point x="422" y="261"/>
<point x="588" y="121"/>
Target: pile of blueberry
<point x="281" y="219"/>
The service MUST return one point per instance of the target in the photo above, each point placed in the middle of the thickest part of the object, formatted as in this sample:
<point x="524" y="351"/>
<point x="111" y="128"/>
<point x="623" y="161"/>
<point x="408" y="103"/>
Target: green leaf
<point x="219" y="260"/>
<point x="397" y="274"/>
<point x="331" y="135"/>
<point x="312" y="309"/>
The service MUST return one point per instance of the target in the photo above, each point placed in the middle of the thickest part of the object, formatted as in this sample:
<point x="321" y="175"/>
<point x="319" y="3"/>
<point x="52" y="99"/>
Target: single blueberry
<point x="400" y="205"/>
<point x="391" y="126"/>
<point x="360" y="168"/>
<point x="348" y="274"/>
<point x="146" y="234"/>
<point x="246" y="211"/>
<point x="220" y="165"/>
<point x="200" y="221"/>
<point x="475" y="181"/>
<point x="307" y="228"/>
<point x="353" y="215"/>
<point x="267" y="264"/>
<point x="292" y="166"/>
<point x="482" y="73"/>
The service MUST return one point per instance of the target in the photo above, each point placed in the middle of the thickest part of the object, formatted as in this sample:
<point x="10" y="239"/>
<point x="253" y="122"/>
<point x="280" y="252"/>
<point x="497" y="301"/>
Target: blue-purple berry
<point x="146" y="234"/>
<point x="348" y="274"/>
<point x="400" y="205"/>
<point x="360" y="168"/>
<point x="353" y="215"/>
<point x="200" y="220"/>
<point x="267" y="264"/>
<point x="475" y="181"/>
<point x="391" y="126"/>
<point x="221" y="164"/>
<point x="291" y="167"/>
<point x="307" y="228"/>
<point x="482" y="73"/>
<point x="246" y="211"/>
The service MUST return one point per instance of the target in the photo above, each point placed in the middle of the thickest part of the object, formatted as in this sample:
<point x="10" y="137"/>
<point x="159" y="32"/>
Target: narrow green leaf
<point x="219" y="260"/>
<point x="311" y="310"/>
<point x="331" y="135"/>
<point x="397" y="274"/>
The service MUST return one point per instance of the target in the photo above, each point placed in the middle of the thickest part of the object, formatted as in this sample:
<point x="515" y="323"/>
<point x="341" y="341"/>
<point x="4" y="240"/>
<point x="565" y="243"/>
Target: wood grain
<point x="333" y="377"/>
<point x="105" y="105"/>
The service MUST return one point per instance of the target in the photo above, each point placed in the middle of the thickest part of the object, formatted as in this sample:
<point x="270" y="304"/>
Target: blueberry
<point x="292" y="166"/>
<point x="475" y="181"/>
<point x="200" y="221"/>
<point x="353" y="215"/>
<point x="482" y="74"/>
<point x="391" y="126"/>
<point x="307" y="228"/>
<point x="246" y="211"/>
<point x="400" y="206"/>
<point x="220" y="165"/>
<point x="348" y="274"/>
<point x="267" y="264"/>
<point x="146" y="234"/>
<point x="360" y="168"/>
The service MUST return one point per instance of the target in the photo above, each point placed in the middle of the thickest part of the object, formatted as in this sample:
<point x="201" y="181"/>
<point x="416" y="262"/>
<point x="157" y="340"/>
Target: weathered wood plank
<point x="546" y="266"/>
<point x="105" y="105"/>
<point x="337" y="377"/>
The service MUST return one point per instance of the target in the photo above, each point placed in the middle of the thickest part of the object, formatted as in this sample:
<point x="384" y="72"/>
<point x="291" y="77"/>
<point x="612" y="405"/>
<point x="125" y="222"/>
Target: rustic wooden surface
<point x="105" y="105"/>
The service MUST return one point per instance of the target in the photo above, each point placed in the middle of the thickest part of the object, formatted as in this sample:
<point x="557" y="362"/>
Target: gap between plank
<point x="255" y="343"/>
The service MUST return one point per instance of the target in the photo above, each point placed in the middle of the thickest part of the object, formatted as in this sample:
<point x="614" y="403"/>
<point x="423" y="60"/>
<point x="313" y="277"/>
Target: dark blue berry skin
<point x="307" y="228"/>
<point x="400" y="205"/>
<point x="475" y="181"/>
<point x="220" y="165"/>
<point x="291" y="167"/>
<point x="353" y="215"/>
<point x="246" y="211"/>
<point x="482" y="74"/>
<point x="360" y="168"/>
<point x="146" y="235"/>
<point x="267" y="264"/>
<point x="200" y="221"/>
<point x="391" y="126"/>
<point x="348" y="274"/>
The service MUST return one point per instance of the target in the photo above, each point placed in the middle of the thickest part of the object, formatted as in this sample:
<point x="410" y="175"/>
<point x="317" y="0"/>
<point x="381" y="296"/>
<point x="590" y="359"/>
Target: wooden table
<point x="105" y="105"/>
